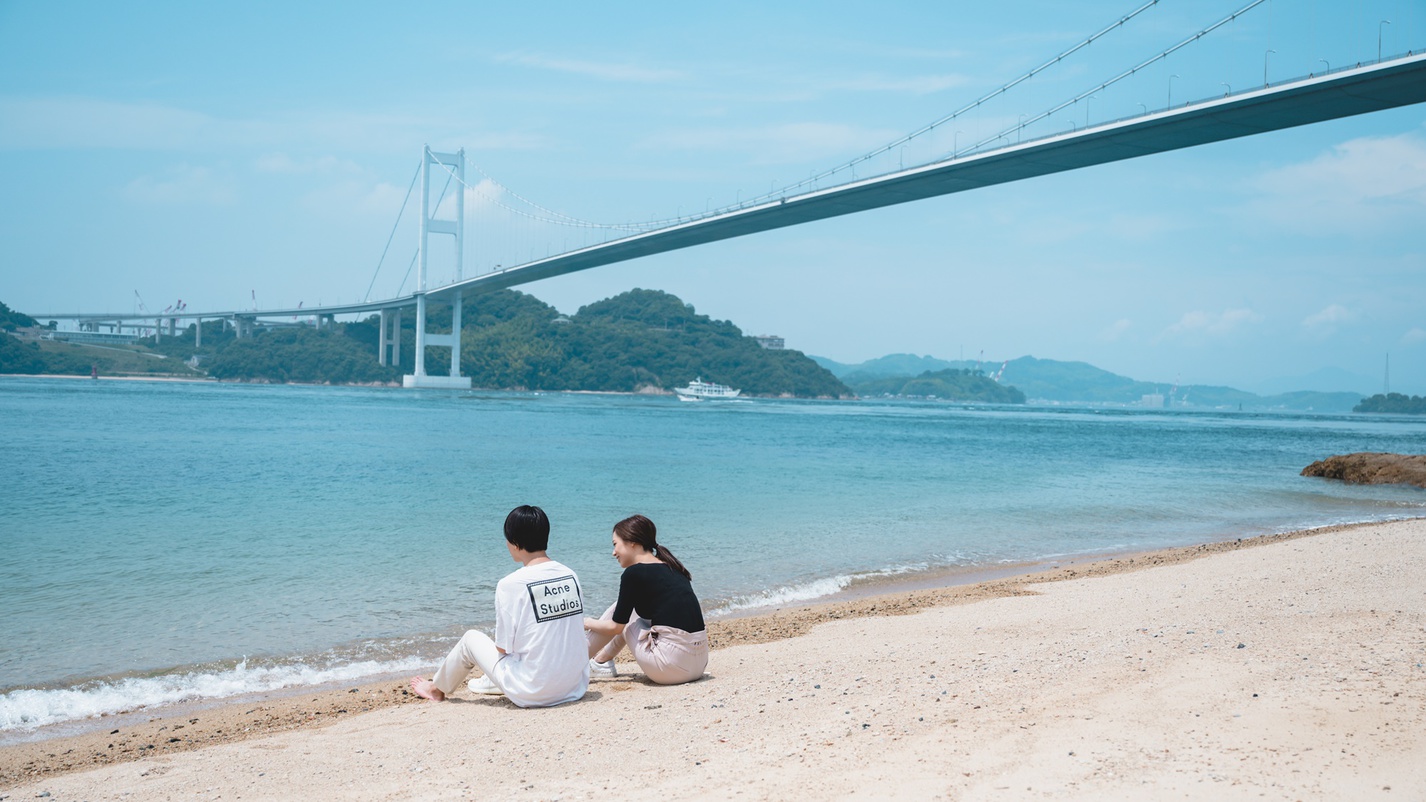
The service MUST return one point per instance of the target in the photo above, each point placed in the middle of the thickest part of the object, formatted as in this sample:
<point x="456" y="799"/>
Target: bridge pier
<point x="198" y="333"/>
<point x="418" y="378"/>
<point x="389" y="342"/>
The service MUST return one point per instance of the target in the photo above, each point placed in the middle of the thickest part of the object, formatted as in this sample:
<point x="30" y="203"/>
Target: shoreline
<point x="58" y="749"/>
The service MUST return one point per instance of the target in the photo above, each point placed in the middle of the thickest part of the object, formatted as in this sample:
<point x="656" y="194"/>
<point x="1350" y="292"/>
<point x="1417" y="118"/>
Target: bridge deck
<point x="1359" y="90"/>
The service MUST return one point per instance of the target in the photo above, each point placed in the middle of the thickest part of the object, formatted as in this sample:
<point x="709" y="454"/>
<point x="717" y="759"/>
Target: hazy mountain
<point x="1323" y="380"/>
<point x="890" y="365"/>
<point x="1081" y="383"/>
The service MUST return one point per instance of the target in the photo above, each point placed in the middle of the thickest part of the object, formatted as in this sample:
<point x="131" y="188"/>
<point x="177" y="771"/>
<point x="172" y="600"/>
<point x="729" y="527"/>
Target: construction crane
<point x="142" y="308"/>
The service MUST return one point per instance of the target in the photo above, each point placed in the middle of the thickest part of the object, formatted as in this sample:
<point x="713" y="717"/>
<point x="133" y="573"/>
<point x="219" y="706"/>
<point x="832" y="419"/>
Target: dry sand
<point x="1289" y="671"/>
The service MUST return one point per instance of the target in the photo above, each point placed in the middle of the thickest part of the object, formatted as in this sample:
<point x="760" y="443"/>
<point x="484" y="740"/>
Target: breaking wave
<point x="27" y="708"/>
<point x="807" y="591"/>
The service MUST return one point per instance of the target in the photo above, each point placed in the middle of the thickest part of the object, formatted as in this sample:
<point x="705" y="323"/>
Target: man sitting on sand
<point x="539" y="656"/>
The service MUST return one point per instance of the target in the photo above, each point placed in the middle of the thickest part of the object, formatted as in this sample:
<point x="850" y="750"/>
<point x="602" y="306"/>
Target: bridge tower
<point x="455" y="162"/>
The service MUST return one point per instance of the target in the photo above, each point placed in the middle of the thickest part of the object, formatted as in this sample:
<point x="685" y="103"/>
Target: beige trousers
<point x="666" y="655"/>
<point x="475" y="649"/>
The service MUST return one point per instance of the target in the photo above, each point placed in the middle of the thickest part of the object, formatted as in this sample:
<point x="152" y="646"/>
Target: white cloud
<point x="1415" y="336"/>
<point x="1332" y="315"/>
<point x="181" y="184"/>
<point x="1326" y="321"/>
<point x="1211" y="324"/>
<point x="1362" y="186"/>
<point x="481" y="197"/>
<point x="352" y="198"/>
<point x="1115" y="330"/>
<point x="606" y="71"/>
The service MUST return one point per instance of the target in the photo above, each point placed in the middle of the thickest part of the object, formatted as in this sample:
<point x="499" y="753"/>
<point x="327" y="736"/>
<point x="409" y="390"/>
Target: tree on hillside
<point x="641" y="338"/>
<point x="299" y="355"/>
<point x="1393" y="403"/>
<point x="11" y="320"/>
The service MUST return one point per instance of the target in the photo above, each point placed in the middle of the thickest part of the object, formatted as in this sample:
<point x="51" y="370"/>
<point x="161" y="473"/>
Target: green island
<point x="1393" y="403"/>
<point x="952" y="384"/>
<point x="638" y="341"/>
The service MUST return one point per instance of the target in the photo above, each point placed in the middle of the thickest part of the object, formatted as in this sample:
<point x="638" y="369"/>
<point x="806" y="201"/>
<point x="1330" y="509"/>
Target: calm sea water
<point x="166" y="542"/>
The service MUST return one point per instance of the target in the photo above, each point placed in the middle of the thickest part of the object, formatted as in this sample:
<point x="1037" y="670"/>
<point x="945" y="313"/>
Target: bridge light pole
<point x="1265" y="65"/>
<point x="1086" y="109"/>
<point x="956" y="144"/>
<point x="1142" y="106"/>
<point x="1328" y="63"/>
<point x="1225" y="84"/>
<point x="1378" y="37"/>
<point x="1020" y="129"/>
<point x="1171" y="77"/>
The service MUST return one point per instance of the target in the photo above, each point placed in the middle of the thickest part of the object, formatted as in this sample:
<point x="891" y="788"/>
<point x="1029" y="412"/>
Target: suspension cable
<point x="1116" y="79"/>
<point x="958" y="112"/>
<point x="554" y="217"/>
<point x="414" y="176"/>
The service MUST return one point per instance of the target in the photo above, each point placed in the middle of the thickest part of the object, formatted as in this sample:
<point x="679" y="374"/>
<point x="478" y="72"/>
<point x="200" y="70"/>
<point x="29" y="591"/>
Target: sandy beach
<point x="1282" y="667"/>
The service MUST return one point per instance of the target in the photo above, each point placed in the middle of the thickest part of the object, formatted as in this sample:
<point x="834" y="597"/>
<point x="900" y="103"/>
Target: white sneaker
<point x="484" y="685"/>
<point x="606" y="670"/>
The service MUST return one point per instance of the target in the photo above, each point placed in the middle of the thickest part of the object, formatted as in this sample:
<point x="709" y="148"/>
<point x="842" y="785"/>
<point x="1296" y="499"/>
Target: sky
<point x="217" y="153"/>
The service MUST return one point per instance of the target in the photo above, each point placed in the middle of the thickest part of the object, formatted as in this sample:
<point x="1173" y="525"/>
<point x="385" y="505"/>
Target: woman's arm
<point x="602" y="626"/>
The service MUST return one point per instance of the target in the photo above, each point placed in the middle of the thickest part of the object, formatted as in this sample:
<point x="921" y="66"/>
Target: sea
<point x="166" y="543"/>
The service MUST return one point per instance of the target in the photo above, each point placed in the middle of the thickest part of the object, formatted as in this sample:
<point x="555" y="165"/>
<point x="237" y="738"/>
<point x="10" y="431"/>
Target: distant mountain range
<point x="1049" y="380"/>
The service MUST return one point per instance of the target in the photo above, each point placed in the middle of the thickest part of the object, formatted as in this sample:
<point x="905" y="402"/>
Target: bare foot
<point x="426" y="689"/>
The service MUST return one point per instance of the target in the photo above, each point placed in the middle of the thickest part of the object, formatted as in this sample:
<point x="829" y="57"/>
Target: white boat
<point x="699" y="390"/>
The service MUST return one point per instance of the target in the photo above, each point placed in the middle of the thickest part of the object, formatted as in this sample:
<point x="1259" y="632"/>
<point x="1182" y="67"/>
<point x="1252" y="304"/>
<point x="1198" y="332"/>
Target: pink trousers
<point x="666" y="655"/>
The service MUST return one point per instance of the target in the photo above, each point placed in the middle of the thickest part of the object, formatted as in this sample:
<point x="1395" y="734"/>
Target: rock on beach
<point x="1372" y="468"/>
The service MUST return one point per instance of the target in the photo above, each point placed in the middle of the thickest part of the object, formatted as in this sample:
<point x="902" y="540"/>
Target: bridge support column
<point x="198" y="333"/>
<point x="455" y="163"/>
<point x="389" y="343"/>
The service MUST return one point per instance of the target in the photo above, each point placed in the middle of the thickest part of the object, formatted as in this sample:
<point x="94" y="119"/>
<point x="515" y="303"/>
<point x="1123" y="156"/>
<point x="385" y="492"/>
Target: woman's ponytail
<point x="671" y="561"/>
<point x="640" y="531"/>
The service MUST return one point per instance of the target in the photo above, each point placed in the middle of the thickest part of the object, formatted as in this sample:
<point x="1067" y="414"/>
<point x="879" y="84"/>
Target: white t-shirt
<point x="539" y="622"/>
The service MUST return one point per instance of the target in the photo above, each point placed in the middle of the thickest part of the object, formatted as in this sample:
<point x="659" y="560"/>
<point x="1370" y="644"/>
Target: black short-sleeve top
<point x="661" y="595"/>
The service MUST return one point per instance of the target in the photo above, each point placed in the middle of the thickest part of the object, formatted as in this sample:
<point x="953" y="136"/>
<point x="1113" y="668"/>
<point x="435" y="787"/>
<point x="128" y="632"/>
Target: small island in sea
<point x="1393" y="403"/>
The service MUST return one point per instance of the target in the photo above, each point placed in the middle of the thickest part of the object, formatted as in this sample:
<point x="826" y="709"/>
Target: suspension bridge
<point x="1007" y="155"/>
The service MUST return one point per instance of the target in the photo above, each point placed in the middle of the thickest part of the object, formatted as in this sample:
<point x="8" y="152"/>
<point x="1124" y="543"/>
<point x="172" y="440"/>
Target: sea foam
<point x="807" y="591"/>
<point x="27" y="708"/>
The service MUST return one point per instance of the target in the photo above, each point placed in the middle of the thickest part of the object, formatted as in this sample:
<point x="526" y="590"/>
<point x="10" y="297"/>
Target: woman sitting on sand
<point x="656" y="615"/>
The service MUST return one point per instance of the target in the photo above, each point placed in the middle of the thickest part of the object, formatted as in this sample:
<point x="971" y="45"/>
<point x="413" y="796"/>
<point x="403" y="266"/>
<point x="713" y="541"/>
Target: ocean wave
<point x="27" y="708"/>
<point x="806" y="591"/>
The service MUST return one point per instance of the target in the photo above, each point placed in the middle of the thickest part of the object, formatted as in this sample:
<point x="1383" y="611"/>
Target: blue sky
<point x="208" y="152"/>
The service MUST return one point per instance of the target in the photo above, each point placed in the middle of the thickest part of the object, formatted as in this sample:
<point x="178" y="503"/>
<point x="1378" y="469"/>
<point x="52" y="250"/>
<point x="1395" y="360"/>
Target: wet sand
<point x="1286" y="665"/>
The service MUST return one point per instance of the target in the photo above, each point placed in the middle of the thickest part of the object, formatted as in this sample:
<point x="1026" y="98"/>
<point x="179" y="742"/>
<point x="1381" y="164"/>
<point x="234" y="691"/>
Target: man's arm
<point x="507" y="596"/>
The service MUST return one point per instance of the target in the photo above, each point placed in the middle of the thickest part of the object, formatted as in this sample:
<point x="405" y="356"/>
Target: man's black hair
<point x="526" y="527"/>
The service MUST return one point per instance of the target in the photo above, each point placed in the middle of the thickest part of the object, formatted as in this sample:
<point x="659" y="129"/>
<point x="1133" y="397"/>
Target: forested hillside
<point x="951" y="384"/>
<point x="641" y="339"/>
